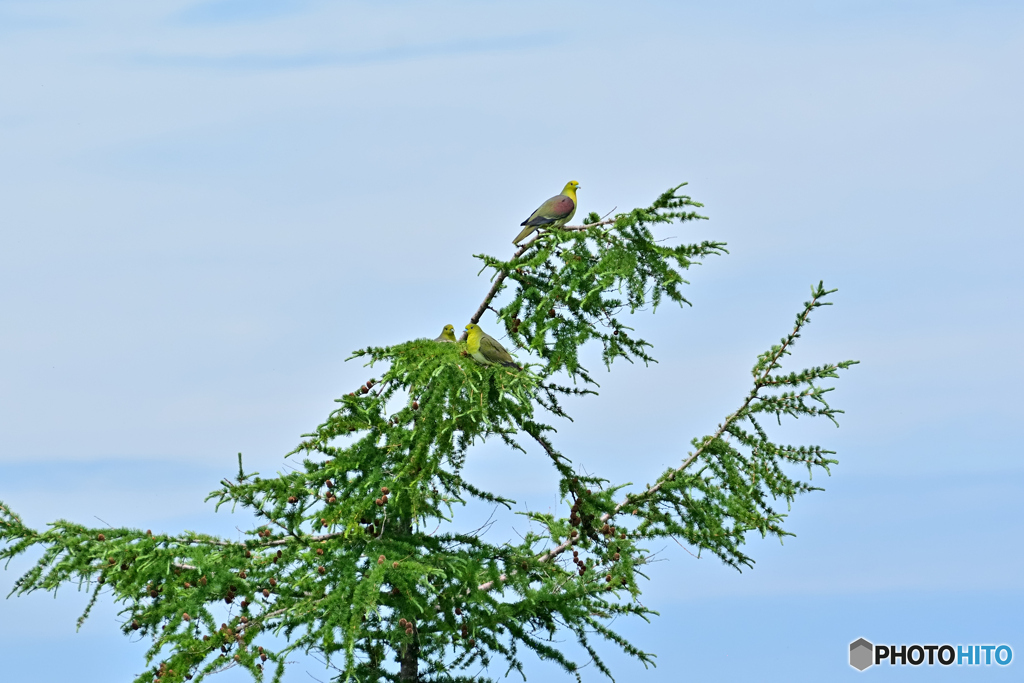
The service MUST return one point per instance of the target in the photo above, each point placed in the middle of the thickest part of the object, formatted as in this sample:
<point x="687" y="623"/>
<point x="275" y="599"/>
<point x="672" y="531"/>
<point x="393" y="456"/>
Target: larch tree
<point x="356" y="555"/>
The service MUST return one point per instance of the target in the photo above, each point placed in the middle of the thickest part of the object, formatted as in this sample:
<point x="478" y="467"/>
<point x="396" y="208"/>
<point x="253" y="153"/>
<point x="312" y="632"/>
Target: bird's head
<point x="570" y="186"/>
<point x="449" y="329"/>
<point x="472" y="329"/>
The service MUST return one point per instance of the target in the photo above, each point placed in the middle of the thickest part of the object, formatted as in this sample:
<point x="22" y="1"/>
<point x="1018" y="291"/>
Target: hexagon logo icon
<point x="861" y="654"/>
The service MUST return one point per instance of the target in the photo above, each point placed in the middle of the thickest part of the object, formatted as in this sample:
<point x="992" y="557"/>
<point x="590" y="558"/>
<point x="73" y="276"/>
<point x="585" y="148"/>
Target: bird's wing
<point x="554" y="209"/>
<point x="493" y="351"/>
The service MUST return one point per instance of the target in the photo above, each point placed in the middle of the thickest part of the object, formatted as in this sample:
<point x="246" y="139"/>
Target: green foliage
<point x="348" y="561"/>
<point x="571" y="287"/>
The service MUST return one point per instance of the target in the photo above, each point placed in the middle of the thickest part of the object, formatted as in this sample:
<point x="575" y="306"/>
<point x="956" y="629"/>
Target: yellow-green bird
<point x="447" y="334"/>
<point x="486" y="348"/>
<point x="554" y="213"/>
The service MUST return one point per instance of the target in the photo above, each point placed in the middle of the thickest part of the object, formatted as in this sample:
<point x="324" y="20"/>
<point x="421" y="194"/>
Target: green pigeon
<point x="486" y="348"/>
<point x="554" y="213"/>
<point x="447" y="334"/>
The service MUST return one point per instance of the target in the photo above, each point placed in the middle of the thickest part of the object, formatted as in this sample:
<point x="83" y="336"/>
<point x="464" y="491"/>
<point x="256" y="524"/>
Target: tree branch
<point x="759" y="383"/>
<point x="519" y="252"/>
<point x="267" y="544"/>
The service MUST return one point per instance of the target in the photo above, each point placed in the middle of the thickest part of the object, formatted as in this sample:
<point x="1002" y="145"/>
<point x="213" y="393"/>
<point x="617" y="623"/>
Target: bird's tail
<point x="524" y="234"/>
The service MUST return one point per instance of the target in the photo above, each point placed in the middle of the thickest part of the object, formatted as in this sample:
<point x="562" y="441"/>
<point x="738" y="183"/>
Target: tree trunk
<point x="411" y="656"/>
<point x="411" y="659"/>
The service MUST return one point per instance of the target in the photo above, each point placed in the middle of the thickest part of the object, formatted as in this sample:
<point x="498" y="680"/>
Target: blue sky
<point x="207" y="205"/>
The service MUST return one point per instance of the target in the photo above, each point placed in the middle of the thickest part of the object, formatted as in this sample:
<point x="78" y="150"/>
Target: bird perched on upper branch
<point x="486" y="348"/>
<point x="554" y="213"/>
<point x="447" y="334"/>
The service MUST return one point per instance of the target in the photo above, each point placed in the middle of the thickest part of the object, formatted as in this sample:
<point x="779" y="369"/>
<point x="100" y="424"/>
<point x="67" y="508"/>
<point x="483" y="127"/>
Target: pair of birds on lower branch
<point x="480" y="345"/>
